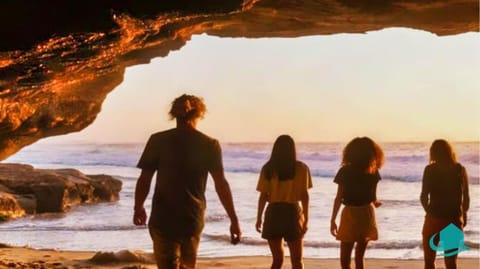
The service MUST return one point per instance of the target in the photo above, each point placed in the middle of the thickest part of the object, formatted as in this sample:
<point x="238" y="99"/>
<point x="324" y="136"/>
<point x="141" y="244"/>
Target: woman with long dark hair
<point x="357" y="181"/>
<point x="444" y="197"/>
<point x="283" y="184"/>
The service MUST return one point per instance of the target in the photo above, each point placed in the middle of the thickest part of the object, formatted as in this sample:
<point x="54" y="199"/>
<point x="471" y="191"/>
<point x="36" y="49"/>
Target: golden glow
<point x="392" y="85"/>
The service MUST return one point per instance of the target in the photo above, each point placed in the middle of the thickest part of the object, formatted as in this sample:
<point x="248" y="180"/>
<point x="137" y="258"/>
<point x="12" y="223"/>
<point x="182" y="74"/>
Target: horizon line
<point x="256" y="142"/>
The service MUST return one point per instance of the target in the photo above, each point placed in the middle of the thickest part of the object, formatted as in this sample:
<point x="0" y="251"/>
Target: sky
<point x="391" y="85"/>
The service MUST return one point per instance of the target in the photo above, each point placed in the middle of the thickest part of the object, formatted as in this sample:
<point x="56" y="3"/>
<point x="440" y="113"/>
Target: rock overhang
<point x="59" y="60"/>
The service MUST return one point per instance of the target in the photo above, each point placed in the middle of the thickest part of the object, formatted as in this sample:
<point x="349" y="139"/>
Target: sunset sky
<point x="392" y="85"/>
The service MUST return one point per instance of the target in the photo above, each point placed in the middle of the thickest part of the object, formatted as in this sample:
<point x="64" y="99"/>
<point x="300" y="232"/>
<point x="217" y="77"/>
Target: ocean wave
<point x="472" y="245"/>
<point x="319" y="244"/>
<point x="404" y="178"/>
<point x="246" y="170"/>
<point x="112" y="163"/>
<point x="405" y="162"/>
<point x="216" y="218"/>
<point x="407" y="244"/>
<point x="401" y="202"/>
<point x="317" y="156"/>
<point x="249" y="241"/>
<point x="470" y="232"/>
<point x="412" y="244"/>
<point x="408" y="158"/>
<point x="473" y="180"/>
<point x="82" y="161"/>
<point x="331" y="174"/>
<point x="236" y="154"/>
<point x="256" y="170"/>
<point x="473" y="159"/>
<point x="32" y="228"/>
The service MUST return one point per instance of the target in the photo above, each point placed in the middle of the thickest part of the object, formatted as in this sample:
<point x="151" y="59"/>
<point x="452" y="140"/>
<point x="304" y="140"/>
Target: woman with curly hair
<point x="357" y="181"/>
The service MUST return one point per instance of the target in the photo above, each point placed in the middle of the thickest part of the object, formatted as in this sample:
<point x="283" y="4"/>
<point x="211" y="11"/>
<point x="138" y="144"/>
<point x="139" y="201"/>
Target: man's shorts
<point x="174" y="254"/>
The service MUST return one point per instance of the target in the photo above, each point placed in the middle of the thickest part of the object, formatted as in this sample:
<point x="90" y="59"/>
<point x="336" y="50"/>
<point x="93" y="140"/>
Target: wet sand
<point x="23" y="257"/>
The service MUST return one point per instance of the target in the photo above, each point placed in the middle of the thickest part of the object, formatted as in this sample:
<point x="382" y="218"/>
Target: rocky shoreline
<point x="26" y="190"/>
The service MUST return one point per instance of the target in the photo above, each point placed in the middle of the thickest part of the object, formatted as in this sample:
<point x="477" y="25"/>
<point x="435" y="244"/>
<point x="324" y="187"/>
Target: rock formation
<point x="26" y="190"/>
<point x="59" y="59"/>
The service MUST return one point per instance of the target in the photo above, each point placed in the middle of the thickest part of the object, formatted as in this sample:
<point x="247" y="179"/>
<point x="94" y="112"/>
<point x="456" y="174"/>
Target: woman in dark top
<point x="444" y="197"/>
<point x="357" y="186"/>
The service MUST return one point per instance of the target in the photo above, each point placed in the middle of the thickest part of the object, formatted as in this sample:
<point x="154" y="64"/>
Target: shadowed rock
<point x="122" y="256"/>
<point x="9" y="207"/>
<point x="26" y="190"/>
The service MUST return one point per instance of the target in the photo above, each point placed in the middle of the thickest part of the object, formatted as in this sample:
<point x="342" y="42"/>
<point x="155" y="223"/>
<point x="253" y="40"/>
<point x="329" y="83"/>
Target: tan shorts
<point x="357" y="224"/>
<point x="174" y="254"/>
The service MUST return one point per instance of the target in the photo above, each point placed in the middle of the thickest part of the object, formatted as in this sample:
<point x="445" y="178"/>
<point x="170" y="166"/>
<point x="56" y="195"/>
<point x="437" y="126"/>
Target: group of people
<point x="182" y="158"/>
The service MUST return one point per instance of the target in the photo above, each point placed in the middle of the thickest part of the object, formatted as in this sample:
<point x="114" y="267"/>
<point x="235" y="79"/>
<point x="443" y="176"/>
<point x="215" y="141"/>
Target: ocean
<point x="108" y="226"/>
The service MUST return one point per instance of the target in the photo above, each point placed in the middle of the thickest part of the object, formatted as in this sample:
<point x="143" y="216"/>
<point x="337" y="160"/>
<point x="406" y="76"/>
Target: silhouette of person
<point x="283" y="183"/>
<point x="182" y="158"/>
<point x="357" y="181"/>
<point x="444" y="197"/>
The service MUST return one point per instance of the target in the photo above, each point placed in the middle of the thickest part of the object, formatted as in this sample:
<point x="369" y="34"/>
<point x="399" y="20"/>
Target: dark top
<point x="447" y="191"/>
<point x="182" y="159"/>
<point x="359" y="188"/>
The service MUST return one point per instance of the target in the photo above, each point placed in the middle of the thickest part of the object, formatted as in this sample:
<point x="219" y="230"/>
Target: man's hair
<point x="187" y="107"/>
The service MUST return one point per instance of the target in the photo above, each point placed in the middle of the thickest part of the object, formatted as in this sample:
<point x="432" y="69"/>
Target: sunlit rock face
<point x="59" y="59"/>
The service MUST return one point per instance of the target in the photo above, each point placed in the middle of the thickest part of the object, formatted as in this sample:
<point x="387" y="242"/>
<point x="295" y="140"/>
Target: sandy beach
<point x="23" y="257"/>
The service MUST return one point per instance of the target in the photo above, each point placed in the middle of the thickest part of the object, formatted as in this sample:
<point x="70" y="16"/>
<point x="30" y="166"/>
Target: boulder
<point x="9" y="207"/>
<point x="106" y="188"/>
<point x="26" y="190"/>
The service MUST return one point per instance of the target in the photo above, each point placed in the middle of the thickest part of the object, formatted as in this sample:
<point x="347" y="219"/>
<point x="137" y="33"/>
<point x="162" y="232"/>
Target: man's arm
<point x="224" y="193"/>
<point x="141" y="192"/>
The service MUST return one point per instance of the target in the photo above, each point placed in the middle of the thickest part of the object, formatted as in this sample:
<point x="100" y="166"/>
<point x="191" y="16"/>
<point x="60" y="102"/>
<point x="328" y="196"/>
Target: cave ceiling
<point x="59" y="59"/>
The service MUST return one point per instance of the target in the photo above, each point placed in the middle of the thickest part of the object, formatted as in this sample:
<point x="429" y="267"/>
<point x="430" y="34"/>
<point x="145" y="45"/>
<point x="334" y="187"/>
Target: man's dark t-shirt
<point x="182" y="159"/>
<point x="359" y="188"/>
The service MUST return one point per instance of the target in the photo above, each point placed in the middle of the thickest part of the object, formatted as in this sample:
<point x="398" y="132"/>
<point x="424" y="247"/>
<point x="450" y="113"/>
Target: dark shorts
<point x="172" y="254"/>
<point x="283" y="220"/>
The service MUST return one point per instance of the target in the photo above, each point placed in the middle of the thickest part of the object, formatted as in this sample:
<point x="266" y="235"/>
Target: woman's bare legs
<point x="345" y="254"/>
<point x="276" y="247"/>
<point x="451" y="262"/>
<point x="296" y="253"/>
<point x="428" y="254"/>
<point x="360" y="254"/>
